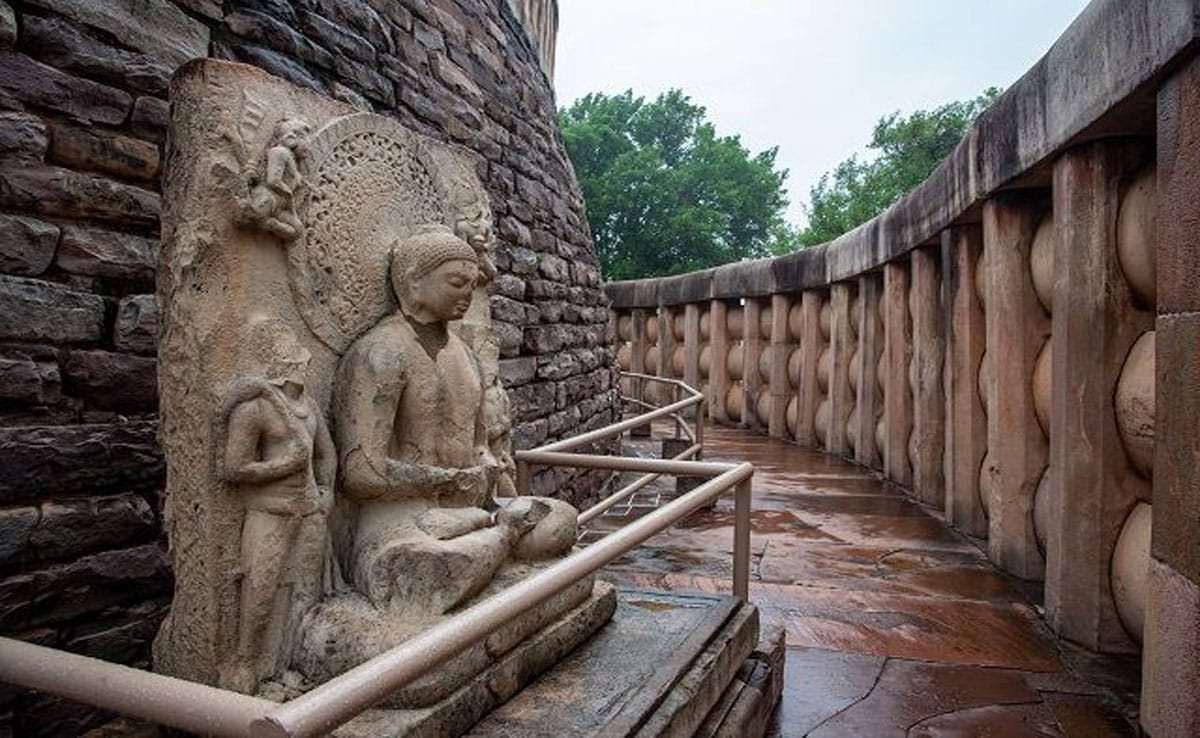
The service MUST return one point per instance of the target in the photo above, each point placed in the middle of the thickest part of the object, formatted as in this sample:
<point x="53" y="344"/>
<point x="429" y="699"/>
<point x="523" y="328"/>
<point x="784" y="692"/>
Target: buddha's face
<point x="445" y="293"/>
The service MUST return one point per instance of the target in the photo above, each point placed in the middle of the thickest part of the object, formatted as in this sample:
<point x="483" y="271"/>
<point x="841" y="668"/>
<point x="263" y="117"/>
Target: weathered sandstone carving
<point x="277" y="452"/>
<point x="327" y="267"/>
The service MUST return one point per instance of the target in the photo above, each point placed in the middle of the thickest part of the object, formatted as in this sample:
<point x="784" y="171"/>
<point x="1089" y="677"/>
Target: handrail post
<point x="741" y="539"/>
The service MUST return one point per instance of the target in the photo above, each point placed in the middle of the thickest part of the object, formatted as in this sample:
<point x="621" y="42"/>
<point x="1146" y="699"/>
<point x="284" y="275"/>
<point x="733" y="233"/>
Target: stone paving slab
<point x="896" y="624"/>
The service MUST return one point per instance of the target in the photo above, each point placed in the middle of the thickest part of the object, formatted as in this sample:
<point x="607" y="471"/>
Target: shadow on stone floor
<point x="896" y="624"/>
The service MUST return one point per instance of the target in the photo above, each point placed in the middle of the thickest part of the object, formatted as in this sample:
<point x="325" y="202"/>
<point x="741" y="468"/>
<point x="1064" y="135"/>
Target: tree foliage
<point x="908" y="150"/>
<point x="665" y="194"/>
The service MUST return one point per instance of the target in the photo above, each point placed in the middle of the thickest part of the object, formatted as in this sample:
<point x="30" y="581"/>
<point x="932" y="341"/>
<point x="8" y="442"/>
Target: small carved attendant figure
<point x="474" y="225"/>
<point x="273" y="189"/>
<point x="278" y="453"/>
<point x="414" y="447"/>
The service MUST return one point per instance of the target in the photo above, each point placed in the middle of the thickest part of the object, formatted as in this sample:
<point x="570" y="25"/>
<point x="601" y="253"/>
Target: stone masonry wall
<point x="83" y="116"/>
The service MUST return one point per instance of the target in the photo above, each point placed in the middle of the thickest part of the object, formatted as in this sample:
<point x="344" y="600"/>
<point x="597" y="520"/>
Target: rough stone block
<point x="394" y="12"/>
<point x="272" y="61"/>
<point x="510" y="286"/>
<point x="1176" y="490"/>
<point x="1171" y="662"/>
<point x="16" y="523"/>
<point x="456" y="79"/>
<point x="66" y="193"/>
<point x="63" y="529"/>
<point x="29" y="377"/>
<point x="38" y="84"/>
<point x="545" y="339"/>
<point x="363" y="18"/>
<point x="26" y="245"/>
<point x="558" y="366"/>
<point x="156" y="27"/>
<point x="518" y="371"/>
<point x="22" y="136"/>
<point x="8" y="25"/>
<point x="428" y="36"/>
<point x="206" y="8"/>
<point x="123" y="638"/>
<point x="509" y="337"/>
<point x="514" y="231"/>
<point x="70" y="527"/>
<point x="103" y="151"/>
<point x="150" y="118"/>
<point x="509" y="310"/>
<point x="66" y="46"/>
<point x="136" y="328"/>
<point x="276" y="32"/>
<point x="342" y="42"/>
<point x="61" y="593"/>
<point x="1179" y="191"/>
<point x="561" y="422"/>
<point x="75" y="459"/>
<point x="531" y="401"/>
<point x="32" y="310"/>
<point x="101" y="253"/>
<point x="524" y="261"/>
<point x="112" y="381"/>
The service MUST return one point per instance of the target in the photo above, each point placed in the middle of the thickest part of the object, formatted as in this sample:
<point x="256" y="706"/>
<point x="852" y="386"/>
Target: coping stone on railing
<point x="1098" y="79"/>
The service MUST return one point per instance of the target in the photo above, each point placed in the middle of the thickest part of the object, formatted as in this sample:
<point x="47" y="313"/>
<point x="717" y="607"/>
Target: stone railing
<point x="990" y="342"/>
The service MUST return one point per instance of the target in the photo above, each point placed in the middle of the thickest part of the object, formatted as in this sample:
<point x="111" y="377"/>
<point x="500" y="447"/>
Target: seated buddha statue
<point x="426" y="534"/>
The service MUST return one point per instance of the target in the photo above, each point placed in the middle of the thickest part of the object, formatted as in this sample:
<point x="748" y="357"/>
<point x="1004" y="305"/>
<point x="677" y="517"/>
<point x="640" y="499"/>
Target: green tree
<point x="665" y="194"/>
<point x="909" y="149"/>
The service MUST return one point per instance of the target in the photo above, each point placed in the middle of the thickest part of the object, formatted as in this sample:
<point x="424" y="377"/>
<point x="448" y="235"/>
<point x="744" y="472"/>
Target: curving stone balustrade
<point x="994" y="342"/>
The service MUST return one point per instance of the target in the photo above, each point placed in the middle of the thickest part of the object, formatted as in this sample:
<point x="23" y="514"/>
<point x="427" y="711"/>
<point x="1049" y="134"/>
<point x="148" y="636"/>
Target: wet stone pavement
<point x="896" y="625"/>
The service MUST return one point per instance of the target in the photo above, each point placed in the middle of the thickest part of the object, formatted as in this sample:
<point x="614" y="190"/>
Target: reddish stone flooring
<point x="896" y="625"/>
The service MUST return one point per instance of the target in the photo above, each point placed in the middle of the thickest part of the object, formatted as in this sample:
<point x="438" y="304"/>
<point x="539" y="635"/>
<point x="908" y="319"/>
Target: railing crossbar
<point x="206" y="710"/>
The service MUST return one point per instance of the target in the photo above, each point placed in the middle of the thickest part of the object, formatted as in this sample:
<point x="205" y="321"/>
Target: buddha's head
<point x="433" y="274"/>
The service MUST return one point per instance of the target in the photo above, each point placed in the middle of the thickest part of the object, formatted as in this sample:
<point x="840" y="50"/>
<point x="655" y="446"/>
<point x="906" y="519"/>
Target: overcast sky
<point x="808" y="76"/>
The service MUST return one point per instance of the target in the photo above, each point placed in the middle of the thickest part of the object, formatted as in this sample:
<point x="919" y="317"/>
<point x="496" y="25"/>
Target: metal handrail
<point x="526" y="459"/>
<point x="209" y="710"/>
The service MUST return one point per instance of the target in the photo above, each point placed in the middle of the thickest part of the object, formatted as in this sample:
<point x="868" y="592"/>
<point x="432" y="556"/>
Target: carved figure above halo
<point x="274" y="186"/>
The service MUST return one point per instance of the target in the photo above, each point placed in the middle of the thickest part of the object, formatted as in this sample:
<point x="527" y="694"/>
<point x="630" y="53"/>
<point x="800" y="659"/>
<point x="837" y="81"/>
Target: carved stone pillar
<point x="1017" y="327"/>
<point x="719" y="369"/>
<point x="752" y="347"/>
<point x="1171" y="660"/>
<point x="781" y="345"/>
<point x="966" y="422"/>
<point x="870" y="345"/>
<point x="897" y="396"/>
<point x="925" y="303"/>
<point x="637" y="364"/>
<point x="841" y="401"/>
<point x="1093" y="486"/>
<point x="808" y="393"/>
<point x="691" y="345"/>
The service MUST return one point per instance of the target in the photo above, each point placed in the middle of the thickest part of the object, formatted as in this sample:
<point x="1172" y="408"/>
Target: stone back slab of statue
<point x="287" y="220"/>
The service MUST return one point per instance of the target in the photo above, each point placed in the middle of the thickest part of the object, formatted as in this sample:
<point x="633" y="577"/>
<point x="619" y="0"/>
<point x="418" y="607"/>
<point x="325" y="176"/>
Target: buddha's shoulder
<point x="382" y="347"/>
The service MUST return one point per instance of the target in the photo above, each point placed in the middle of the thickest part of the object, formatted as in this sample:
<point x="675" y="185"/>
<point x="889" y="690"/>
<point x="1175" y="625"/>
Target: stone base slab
<point x="455" y="714"/>
<point x="667" y="664"/>
<point x="747" y="704"/>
